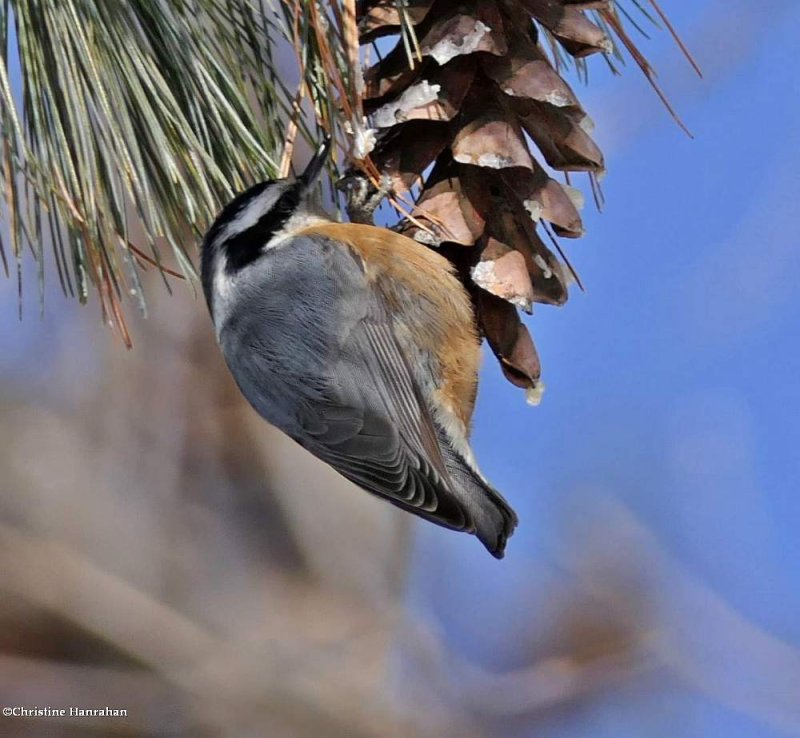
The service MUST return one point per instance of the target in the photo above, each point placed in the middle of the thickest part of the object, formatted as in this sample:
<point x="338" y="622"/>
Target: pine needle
<point x="138" y="109"/>
<point x="157" y="112"/>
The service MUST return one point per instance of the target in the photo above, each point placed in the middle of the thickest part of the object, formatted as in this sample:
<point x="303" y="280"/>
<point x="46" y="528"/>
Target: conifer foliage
<point x="127" y="125"/>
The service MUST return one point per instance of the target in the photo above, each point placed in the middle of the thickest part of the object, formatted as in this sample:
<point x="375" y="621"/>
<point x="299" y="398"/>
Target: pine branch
<point x="152" y="114"/>
<point x="133" y="111"/>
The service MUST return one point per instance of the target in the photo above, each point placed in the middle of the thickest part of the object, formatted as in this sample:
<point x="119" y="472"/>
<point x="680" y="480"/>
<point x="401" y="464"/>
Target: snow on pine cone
<point x="482" y="92"/>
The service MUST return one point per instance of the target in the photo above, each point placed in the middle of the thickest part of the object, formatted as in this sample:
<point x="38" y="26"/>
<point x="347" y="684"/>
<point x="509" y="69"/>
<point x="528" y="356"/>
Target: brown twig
<point x="611" y="18"/>
<point x="678" y="40"/>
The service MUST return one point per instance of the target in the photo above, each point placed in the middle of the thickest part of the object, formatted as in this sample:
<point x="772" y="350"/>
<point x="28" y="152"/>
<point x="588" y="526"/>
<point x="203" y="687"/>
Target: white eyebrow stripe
<point x="250" y="214"/>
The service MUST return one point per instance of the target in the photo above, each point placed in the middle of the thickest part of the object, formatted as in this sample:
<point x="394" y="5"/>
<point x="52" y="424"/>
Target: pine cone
<point x="483" y="89"/>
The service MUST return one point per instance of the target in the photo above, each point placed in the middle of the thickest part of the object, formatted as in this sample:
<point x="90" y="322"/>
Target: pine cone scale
<point x="485" y="91"/>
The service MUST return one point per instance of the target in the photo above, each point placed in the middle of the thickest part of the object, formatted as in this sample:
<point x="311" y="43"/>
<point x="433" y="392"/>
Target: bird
<point x="357" y="342"/>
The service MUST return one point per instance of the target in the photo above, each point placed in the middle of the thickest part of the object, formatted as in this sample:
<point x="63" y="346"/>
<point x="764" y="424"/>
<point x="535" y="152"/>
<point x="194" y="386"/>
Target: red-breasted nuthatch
<point x="357" y="342"/>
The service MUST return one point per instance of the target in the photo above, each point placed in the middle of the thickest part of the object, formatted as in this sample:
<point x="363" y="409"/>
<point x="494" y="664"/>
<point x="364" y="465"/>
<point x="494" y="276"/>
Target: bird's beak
<point x="317" y="163"/>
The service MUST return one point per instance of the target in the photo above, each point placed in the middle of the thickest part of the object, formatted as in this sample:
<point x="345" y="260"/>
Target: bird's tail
<point x="492" y="516"/>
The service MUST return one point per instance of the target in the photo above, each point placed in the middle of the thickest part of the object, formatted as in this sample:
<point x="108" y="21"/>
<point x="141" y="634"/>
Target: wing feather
<point x="326" y="367"/>
<point x="381" y="436"/>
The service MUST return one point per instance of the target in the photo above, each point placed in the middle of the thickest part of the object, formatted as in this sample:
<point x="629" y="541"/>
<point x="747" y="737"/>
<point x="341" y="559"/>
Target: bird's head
<point x="257" y="218"/>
